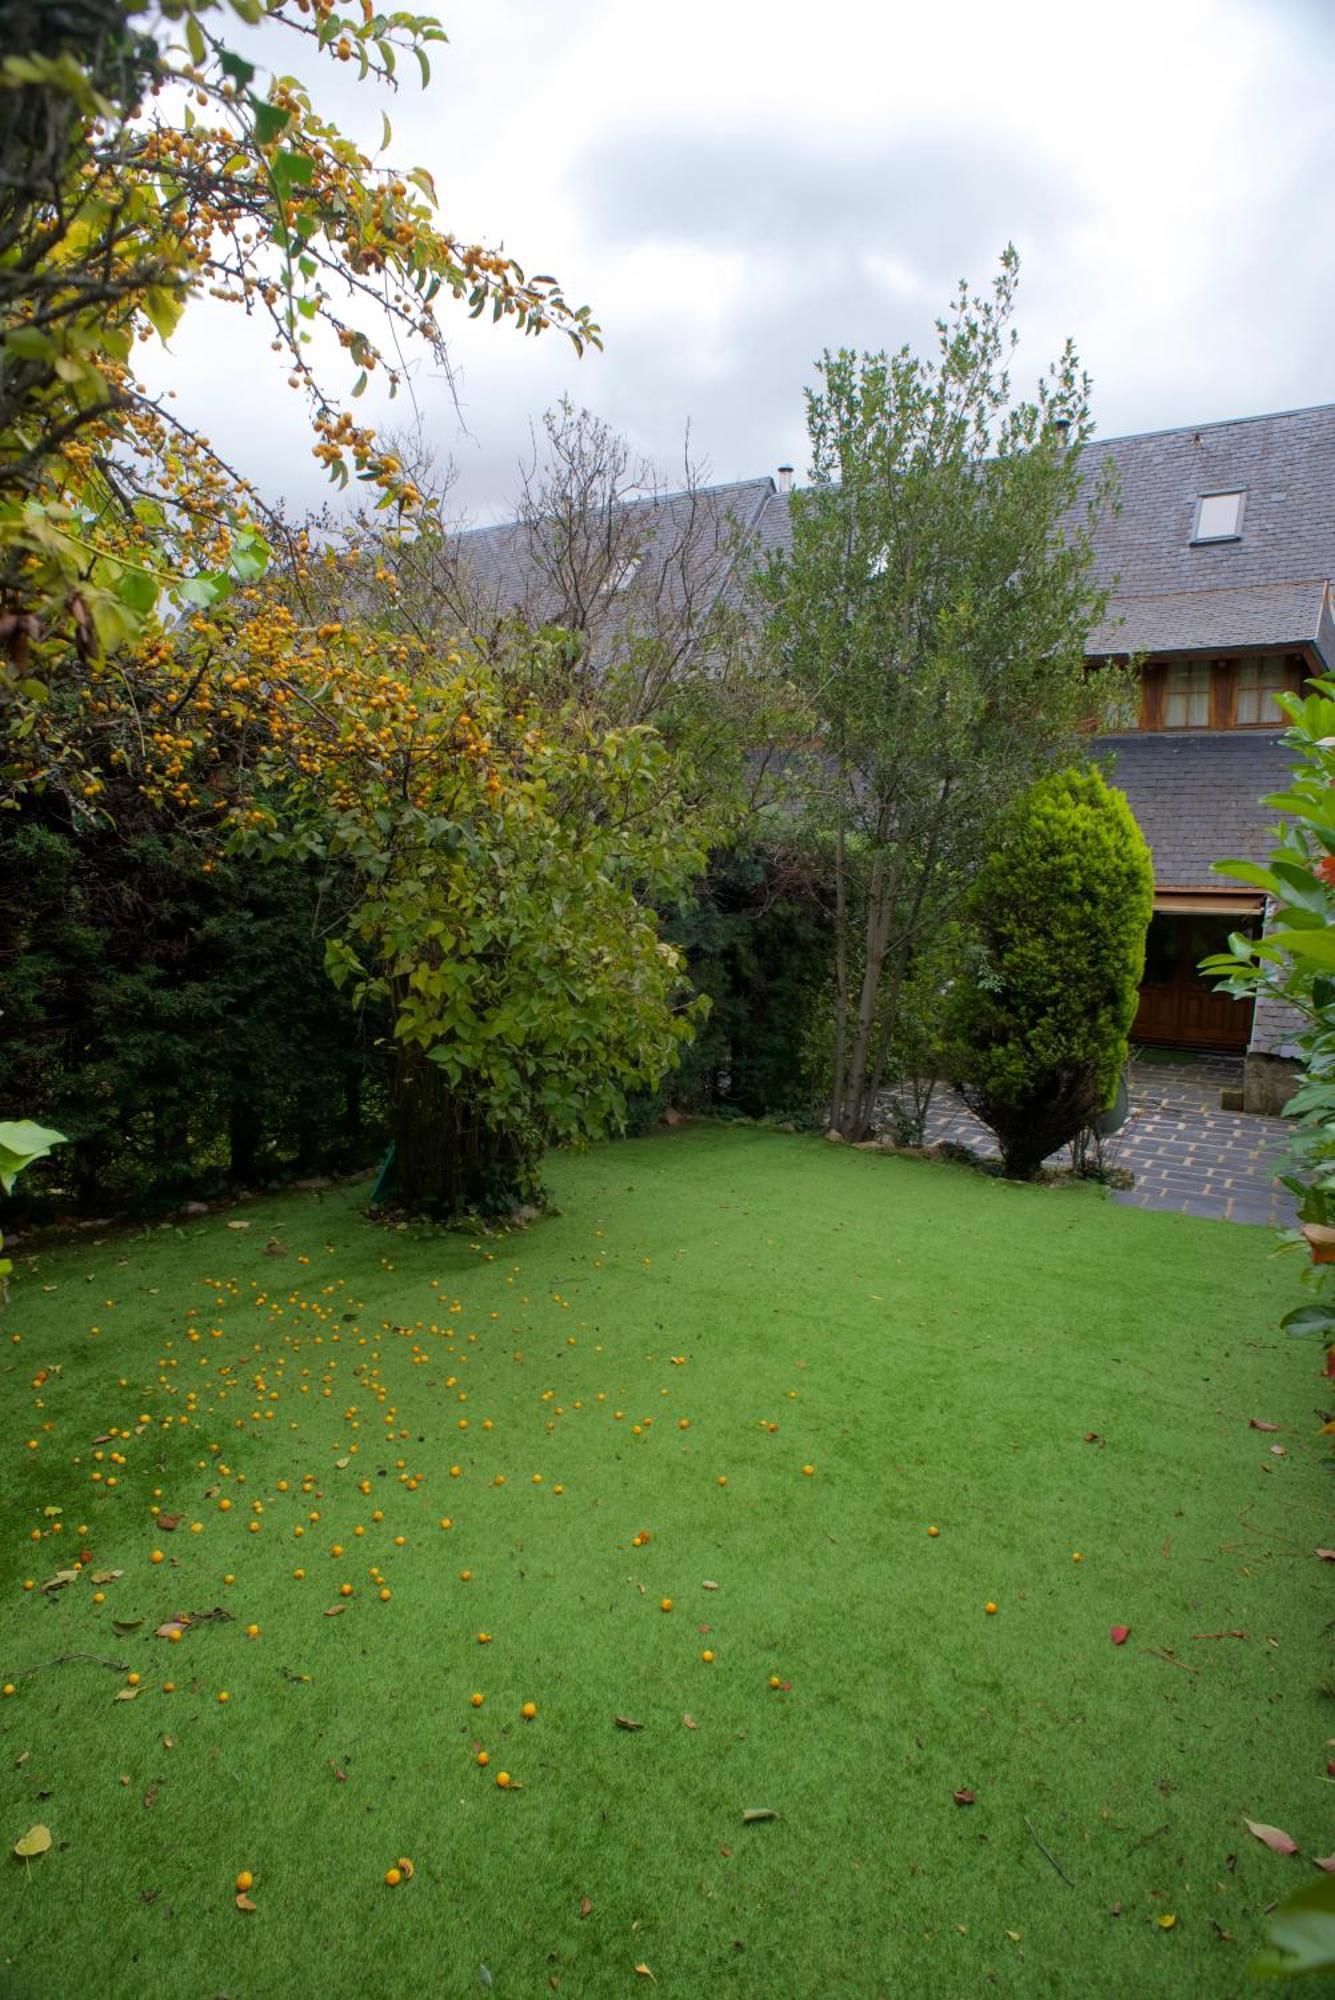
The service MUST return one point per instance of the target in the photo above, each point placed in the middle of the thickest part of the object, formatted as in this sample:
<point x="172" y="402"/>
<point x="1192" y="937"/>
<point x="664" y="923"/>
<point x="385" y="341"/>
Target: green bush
<point x="757" y="942"/>
<point x="1060" y="910"/>
<point x="174" y="1019"/>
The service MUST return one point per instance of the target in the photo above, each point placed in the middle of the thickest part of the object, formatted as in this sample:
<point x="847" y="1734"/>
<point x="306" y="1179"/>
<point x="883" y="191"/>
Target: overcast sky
<point x="734" y="185"/>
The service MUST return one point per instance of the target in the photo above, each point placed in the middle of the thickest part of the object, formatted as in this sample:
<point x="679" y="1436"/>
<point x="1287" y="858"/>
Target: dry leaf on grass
<point x="1272" y="1837"/>
<point x="127" y="1694"/>
<point x="1326" y="1555"/>
<point x="238" y="1225"/>
<point x="35" y="1841"/>
<point x="690" y="1722"/>
<point x="1326" y="1861"/>
<point x="335" y="1611"/>
<point x="627" y="1722"/>
<point x="1257" y="1424"/>
<point x="169" y="1523"/>
<point x="105" y="1575"/>
<point x="963" y="1797"/>
<point x="754" y="1813"/>
<point x="243" y="1902"/>
<point x="585" y="1907"/>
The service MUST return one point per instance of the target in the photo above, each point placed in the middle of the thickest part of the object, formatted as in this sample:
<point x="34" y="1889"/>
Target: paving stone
<point x="1187" y="1154"/>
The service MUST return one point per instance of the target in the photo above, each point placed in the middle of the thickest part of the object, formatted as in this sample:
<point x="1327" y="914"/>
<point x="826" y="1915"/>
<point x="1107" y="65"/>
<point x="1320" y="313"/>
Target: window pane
<point x="1258" y="683"/>
<point x="1187" y="697"/>
<point x="1220" y="514"/>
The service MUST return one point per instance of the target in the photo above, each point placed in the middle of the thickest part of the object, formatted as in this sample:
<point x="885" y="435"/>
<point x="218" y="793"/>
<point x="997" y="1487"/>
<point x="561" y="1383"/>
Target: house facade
<point x="1219" y="560"/>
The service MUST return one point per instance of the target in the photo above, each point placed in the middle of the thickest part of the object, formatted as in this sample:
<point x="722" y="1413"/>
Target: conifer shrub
<point x="1059" y="912"/>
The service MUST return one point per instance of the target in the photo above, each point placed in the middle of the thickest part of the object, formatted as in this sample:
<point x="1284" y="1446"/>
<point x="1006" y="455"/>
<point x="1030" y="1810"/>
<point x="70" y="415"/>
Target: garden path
<point x="1187" y="1154"/>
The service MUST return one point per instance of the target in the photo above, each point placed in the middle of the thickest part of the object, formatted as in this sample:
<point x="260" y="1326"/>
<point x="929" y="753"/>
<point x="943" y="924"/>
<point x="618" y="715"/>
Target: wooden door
<point x="1178" y="1007"/>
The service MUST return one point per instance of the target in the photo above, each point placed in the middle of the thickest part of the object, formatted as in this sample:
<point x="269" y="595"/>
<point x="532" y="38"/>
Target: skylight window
<point x="622" y="577"/>
<point x="1219" y="517"/>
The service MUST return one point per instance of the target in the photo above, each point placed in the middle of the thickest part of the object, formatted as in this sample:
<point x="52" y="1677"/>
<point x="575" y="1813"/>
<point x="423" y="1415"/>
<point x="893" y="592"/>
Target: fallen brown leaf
<point x="1257" y="1424"/>
<point x="627" y="1722"/>
<point x="963" y="1797"/>
<point x="754" y="1813"/>
<point x="1326" y="1555"/>
<point x="585" y="1907"/>
<point x="127" y="1694"/>
<point x="151" y="1796"/>
<point x="1272" y="1837"/>
<point x="1233" y="1634"/>
<point x="1326" y="1861"/>
<point x="645" y="1973"/>
<point x="335" y="1611"/>
<point x="690" y="1722"/>
<point x="244" y="1903"/>
<point x="1279" y="1451"/>
<point x="169" y="1523"/>
<point x="173" y="1630"/>
<point x="105" y="1575"/>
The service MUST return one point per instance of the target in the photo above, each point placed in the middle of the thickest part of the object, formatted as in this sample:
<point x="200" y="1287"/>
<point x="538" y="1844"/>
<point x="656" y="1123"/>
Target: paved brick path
<point x="1186" y="1154"/>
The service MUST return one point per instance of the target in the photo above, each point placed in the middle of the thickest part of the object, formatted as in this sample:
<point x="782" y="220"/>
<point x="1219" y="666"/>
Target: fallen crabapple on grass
<point x="300" y="1719"/>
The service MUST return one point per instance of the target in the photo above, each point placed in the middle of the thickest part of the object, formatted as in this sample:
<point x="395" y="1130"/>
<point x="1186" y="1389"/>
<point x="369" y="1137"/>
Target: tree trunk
<point x="448" y="1161"/>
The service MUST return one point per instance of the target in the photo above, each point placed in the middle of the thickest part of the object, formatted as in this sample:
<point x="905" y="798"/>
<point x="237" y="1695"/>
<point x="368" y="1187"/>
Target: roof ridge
<point x="1216" y="424"/>
<point x="763" y="481"/>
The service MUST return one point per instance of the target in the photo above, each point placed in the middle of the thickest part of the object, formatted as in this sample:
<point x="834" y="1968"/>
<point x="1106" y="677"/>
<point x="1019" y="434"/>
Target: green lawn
<point x="712" y="1312"/>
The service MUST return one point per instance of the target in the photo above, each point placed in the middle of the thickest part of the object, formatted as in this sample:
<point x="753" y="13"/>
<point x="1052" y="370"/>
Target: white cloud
<point x="737" y="183"/>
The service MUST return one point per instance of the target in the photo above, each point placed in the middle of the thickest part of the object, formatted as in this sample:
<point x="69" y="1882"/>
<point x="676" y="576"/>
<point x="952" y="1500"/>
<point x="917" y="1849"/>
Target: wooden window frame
<point x="1223" y="693"/>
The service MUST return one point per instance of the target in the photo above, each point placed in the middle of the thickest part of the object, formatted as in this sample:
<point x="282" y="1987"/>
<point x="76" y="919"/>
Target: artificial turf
<point x="1037" y="1372"/>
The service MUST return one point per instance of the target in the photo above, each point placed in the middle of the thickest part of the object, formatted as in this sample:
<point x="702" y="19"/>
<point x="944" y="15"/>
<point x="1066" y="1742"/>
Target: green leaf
<point x="163" y="308"/>
<point x="241" y="72"/>
<point x="270" y="120"/>
<point x="1303" y="1320"/>
<point x="22" y="1142"/>
<point x="194" y="40"/>
<point x="1302" y="1930"/>
<point x="292" y="170"/>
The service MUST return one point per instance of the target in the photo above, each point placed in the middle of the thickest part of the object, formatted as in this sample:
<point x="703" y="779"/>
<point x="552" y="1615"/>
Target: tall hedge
<point x="174" y="1020"/>
<point x="1060" y="910"/>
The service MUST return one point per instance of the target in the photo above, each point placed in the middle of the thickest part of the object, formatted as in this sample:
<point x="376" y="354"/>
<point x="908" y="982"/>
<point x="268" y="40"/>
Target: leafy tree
<point x="505" y="871"/>
<point x="1294" y="963"/>
<point x="143" y="163"/>
<point x="932" y="612"/>
<point x="1060" y="908"/>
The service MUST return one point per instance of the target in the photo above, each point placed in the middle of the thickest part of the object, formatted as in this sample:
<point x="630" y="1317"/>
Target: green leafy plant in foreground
<point x="1302" y="1931"/>
<point x="1294" y="962"/>
<point x="21" y="1142"/>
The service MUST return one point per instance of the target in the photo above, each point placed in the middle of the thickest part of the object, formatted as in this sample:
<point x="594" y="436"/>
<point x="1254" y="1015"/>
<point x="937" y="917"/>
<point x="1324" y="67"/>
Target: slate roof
<point x="501" y="565"/>
<point x="1196" y="795"/>
<point x="1279" y="616"/>
<point x="1268" y="588"/>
